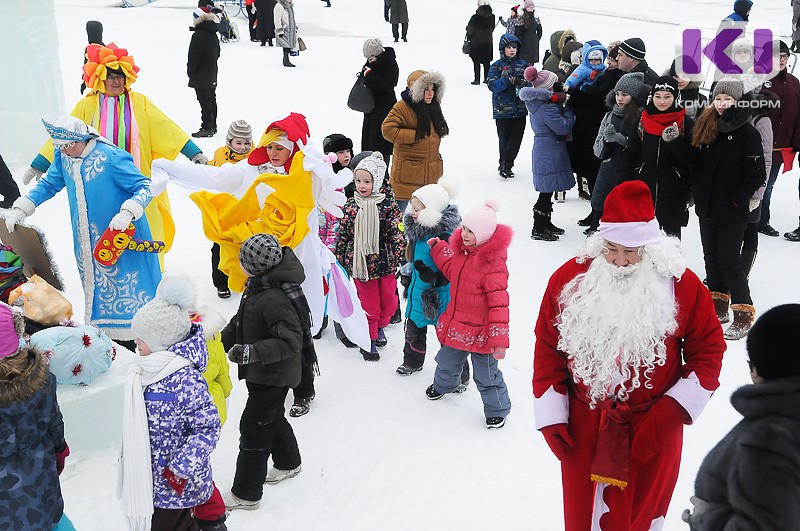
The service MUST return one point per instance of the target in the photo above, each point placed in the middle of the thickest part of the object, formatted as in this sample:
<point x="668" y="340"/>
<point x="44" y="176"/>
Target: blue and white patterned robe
<point x="97" y="184"/>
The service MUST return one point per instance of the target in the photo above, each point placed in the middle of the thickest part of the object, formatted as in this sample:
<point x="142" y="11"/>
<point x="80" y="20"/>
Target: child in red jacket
<point x="476" y="320"/>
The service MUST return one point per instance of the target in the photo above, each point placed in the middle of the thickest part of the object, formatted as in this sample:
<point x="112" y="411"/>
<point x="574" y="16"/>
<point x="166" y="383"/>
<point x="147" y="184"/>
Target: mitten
<point x="499" y="353"/>
<point x="608" y="133"/>
<point x="671" y="132"/>
<point x="61" y="456"/>
<point x="695" y="516"/>
<point x="200" y="159"/>
<point x="239" y="354"/>
<point x="426" y="274"/>
<point x="177" y="483"/>
<point x="558" y="439"/>
<point x="31" y="174"/>
<point x="433" y="241"/>
<point x="659" y="424"/>
<point x="559" y="98"/>
<point x="121" y="220"/>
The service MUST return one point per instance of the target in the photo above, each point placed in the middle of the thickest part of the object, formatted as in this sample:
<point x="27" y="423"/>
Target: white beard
<point x="614" y="321"/>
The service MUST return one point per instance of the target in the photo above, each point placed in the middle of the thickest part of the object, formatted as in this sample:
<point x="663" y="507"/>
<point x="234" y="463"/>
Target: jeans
<point x="509" y="133"/>
<point x="722" y="252"/>
<point x="207" y="98"/>
<point x="263" y="431"/>
<point x="485" y="372"/>
<point x="765" y="202"/>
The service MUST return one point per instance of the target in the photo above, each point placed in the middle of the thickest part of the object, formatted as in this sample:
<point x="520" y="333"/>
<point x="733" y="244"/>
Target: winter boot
<point x="552" y="229"/>
<point x="585" y="222"/>
<point x="286" y="58"/>
<point x="748" y="258"/>
<point x="505" y="172"/>
<point x="594" y="223"/>
<point x="767" y="230"/>
<point x="301" y="406"/>
<point x="381" y="341"/>
<point x="495" y="423"/>
<point x="540" y="227"/>
<point x="721" y="303"/>
<point x="397" y="317"/>
<point x="203" y="133"/>
<point x="321" y="328"/>
<point x="212" y="525"/>
<point x="583" y="188"/>
<point x="269" y="42"/>
<point x="793" y="236"/>
<point x="432" y="393"/>
<point x="743" y="315"/>
<point x="406" y="370"/>
<point x="560" y="197"/>
<point x="372" y="354"/>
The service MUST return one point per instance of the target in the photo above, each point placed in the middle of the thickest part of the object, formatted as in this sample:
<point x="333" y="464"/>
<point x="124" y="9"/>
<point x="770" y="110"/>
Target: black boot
<point x="269" y="42"/>
<point x="748" y="258"/>
<point x="541" y="222"/>
<point x="505" y="171"/>
<point x="594" y="223"/>
<point x="286" y="58"/>
<point x="585" y="222"/>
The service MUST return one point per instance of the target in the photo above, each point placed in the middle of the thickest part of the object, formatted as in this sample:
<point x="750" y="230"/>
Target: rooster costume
<point x="615" y="382"/>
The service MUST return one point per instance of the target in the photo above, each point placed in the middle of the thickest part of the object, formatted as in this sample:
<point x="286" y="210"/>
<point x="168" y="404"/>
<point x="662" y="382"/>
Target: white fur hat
<point x="164" y="321"/>
<point x="436" y="198"/>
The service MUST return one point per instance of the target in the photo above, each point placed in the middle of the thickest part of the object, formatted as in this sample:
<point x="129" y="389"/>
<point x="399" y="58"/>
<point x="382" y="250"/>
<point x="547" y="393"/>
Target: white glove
<point x="13" y="216"/>
<point x="30" y="175"/>
<point x="200" y="159"/>
<point x="754" y="202"/>
<point x="121" y="220"/>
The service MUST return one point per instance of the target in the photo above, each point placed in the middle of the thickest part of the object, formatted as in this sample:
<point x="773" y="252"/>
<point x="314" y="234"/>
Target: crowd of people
<point x="339" y="235"/>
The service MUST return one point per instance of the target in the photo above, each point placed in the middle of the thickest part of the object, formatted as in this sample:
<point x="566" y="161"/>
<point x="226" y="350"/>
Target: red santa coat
<point x="476" y="319"/>
<point x="690" y="375"/>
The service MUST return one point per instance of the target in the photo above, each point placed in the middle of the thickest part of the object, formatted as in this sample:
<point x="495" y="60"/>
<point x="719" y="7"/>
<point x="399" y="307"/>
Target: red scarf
<point x="656" y="123"/>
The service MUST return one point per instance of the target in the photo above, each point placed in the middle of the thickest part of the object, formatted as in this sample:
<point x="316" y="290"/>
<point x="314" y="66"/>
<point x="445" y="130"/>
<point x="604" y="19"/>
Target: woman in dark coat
<point x="265" y="21"/>
<point x="479" y="34"/>
<point x="730" y="169"/>
<point x="529" y="31"/>
<point x="398" y="16"/>
<point x="749" y="480"/>
<point x="201" y="67"/>
<point x="381" y="74"/>
<point x="663" y="165"/>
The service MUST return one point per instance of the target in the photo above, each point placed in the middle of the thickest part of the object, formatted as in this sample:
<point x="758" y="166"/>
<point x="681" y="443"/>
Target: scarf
<point x="654" y="124"/>
<point x="135" y="480"/>
<point x="366" y="236"/>
<point x="118" y="123"/>
<point x="293" y="292"/>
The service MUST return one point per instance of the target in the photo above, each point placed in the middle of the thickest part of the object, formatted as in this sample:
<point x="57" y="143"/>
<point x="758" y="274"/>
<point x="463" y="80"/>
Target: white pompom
<point x="494" y="204"/>
<point x="449" y="184"/>
<point x="178" y="290"/>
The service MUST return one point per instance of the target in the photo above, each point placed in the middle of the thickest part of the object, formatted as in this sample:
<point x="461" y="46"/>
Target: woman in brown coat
<point x="415" y="126"/>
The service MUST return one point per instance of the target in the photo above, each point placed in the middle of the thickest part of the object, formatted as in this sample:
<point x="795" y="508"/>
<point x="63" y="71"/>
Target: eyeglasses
<point x="783" y="55"/>
<point x="115" y="78"/>
<point x="64" y="147"/>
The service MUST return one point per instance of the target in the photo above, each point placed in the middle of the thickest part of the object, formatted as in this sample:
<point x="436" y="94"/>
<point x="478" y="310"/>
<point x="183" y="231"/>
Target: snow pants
<point x="379" y="301"/>
<point x="485" y="372"/>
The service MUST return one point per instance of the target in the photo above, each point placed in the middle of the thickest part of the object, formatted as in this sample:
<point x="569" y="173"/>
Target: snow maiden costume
<point x="101" y="182"/>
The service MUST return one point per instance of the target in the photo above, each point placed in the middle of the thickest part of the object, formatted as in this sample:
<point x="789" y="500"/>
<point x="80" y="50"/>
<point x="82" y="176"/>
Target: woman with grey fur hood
<point x="429" y="215"/>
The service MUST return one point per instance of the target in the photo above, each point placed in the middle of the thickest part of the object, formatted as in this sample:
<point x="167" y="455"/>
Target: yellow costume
<point x="225" y="154"/>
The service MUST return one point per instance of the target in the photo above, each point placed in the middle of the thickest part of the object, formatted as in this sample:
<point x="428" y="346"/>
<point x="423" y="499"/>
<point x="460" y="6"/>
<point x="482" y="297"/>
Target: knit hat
<point x="436" y="198"/>
<point x="741" y="45"/>
<point x="527" y="4"/>
<point x="483" y="3"/>
<point x="667" y="83"/>
<point x="595" y="54"/>
<point x="633" y="47"/>
<point x="629" y="217"/>
<point x="372" y="47"/>
<point x="336" y="142"/>
<point x="730" y="86"/>
<point x="376" y="167"/>
<point x="773" y="342"/>
<point x="12" y="327"/>
<point x="613" y="49"/>
<point x="630" y="83"/>
<point x="66" y="129"/>
<point x="543" y="79"/>
<point x="239" y="129"/>
<point x="356" y="160"/>
<point x="260" y="253"/>
<point x="164" y="321"/>
<point x="482" y="221"/>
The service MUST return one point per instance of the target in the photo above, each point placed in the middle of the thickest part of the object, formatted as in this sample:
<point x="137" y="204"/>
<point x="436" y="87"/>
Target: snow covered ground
<point x="376" y="453"/>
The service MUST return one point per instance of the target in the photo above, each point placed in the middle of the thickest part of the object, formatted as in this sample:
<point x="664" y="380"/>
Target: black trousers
<point x="509" y="133"/>
<point x="173" y="520"/>
<point x="219" y="278"/>
<point x="544" y="203"/>
<point x="395" y="32"/>
<point x="415" y="347"/>
<point x="251" y="20"/>
<point x="305" y="389"/>
<point x="722" y="252"/>
<point x="750" y="241"/>
<point x="263" y="431"/>
<point x="207" y="98"/>
<point x="476" y="69"/>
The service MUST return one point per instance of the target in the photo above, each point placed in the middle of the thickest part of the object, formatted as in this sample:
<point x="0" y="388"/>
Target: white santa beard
<point x="614" y="322"/>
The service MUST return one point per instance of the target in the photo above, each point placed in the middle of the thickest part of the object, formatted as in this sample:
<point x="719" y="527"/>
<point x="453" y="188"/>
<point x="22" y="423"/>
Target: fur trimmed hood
<point x="33" y="379"/>
<point x="494" y="250"/>
<point x="562" y="40"/>
<point x="212" y="321"/>
<point x="419" y="79"/>
<point x="449" y="221"/>
<point x="535" y="94"/>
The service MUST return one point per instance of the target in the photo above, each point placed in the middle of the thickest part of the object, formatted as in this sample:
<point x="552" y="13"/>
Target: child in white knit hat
<point x="475" y="323"/>
<point x="370" y="247"/>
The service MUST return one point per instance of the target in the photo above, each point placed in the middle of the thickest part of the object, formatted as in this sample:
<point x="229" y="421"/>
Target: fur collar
<point x="535" y="94"/>
<point x="448" y="222"/>
<point x="733" y="119"/>
<point x="494" y="250"/>
<point x="30" y="382"/>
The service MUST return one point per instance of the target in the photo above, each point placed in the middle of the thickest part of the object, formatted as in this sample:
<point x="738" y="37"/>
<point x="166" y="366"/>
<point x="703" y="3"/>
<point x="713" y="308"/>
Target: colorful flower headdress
<point x="101" y="59"/>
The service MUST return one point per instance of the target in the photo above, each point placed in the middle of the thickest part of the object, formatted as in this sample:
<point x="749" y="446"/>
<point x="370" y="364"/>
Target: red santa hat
<point x="629" y="217"/>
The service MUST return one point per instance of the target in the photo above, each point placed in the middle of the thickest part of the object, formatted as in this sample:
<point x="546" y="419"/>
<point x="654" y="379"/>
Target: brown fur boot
<point x="743" y="315"/>
<point x="721" y="303"/>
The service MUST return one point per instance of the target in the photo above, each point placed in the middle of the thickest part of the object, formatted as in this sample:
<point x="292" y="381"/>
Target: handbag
<point x="361" y="98"/>
<point x="465" y="46"/>
<point x="301" y="46"/>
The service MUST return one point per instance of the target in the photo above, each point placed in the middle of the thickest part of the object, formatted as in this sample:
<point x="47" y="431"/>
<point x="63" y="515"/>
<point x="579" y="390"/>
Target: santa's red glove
<point x="61" y="456"/>
<point x="659" y="424"/>
<point x="174" y="481"/>
<point x="558" y="439"/>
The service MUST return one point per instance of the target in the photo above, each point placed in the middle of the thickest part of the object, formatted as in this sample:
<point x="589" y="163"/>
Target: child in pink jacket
<point x="475" y="322"/>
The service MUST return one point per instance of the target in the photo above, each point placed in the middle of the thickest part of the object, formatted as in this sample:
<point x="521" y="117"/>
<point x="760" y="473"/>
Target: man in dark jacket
<point x="202" y="68"/>
<point x="265" y="339"/>
<point x="631" y="59"/>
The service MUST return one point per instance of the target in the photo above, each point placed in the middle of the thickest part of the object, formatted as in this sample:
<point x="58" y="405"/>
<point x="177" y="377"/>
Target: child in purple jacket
<point x="171" y="423"/>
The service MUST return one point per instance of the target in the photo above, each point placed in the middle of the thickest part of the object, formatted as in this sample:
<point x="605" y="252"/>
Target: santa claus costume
<point x="625" y="356"/>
